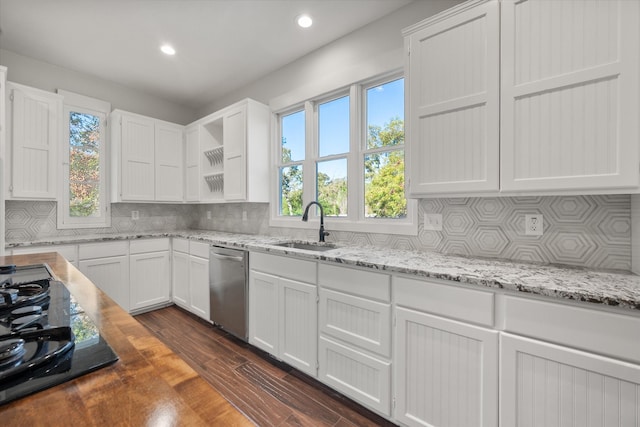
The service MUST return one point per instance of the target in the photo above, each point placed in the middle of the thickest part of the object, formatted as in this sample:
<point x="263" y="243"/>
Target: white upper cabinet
<point x="452" y="72"/>
<point x="147" y="158"/>
<point x="230" y="147"/>
<point x="569" y="95"/>
<point x="169" y="162"/>
<point x="524" y="96"/>
<point x="192" y="170"/>
<point x="235" y="165"/>
<point x="35" y="132"/>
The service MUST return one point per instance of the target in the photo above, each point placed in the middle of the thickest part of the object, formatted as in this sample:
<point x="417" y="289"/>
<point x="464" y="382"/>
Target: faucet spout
<point x="305" y="217"/>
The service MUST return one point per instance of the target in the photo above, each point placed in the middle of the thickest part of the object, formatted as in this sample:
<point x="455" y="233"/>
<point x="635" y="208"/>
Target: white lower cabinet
<point x="355" y="335"/>
<point x="199" y="286"/>
<point x="149" y="274"/>
<point x="190" y="276"/>
<point x="445" y="370"/>
<point x="545" y="384"/>
<point x="180" y="272"/>
<point x="283" y="310"/>
<point x="106" y="264"/>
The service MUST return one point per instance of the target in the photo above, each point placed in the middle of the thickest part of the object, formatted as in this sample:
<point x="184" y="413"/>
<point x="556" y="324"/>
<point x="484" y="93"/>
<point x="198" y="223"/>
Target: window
<point x="84" y="200"/>
<point x="351" y="145"/>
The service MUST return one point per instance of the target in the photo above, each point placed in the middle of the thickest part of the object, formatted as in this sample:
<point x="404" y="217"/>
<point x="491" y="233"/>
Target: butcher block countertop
<point x="148" y="385"/>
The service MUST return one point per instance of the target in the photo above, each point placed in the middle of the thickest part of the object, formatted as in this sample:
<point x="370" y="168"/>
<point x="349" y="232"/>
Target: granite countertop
<point x="610" y="288"/>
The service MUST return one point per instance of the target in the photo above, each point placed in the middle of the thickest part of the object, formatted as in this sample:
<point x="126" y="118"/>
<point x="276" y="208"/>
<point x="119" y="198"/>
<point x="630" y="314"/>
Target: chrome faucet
<point x="305" y="217"/>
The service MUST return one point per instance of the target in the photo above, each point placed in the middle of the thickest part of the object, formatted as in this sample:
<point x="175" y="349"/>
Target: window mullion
<point x="311" y="154"/>
<point x="356" y="183"/>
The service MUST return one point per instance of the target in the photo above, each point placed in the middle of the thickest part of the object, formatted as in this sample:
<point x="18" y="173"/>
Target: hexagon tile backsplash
<point x="588" y="231"/>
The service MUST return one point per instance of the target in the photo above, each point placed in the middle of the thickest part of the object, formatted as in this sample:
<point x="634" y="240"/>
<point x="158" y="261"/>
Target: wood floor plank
<point x="265" y="390"/>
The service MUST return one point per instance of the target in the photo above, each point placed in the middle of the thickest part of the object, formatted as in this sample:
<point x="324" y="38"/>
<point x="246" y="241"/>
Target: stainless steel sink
<point x="307" y="246"/>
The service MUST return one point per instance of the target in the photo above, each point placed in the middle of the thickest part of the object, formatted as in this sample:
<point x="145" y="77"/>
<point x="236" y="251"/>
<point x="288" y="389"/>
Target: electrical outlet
<point x="135" y="215"/>
<point x="208" y="214"/>
<point x="244" y="215"/>
<point x="534" y="225"/>
<point x="433" y="222"/>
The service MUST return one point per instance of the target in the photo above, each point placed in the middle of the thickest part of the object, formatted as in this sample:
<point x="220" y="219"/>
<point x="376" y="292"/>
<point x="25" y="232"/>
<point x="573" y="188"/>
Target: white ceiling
<point x="221" y="45"/>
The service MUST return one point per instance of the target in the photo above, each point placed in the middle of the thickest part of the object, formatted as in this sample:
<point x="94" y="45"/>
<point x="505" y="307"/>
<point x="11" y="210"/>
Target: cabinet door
<point x="192" y="173"/>
<point x="169" y="171"/>
<point x="138" y="152"/>
<point x="180" y="279"/>
<point x="235" y="169"/>
<point x="298" y="325"/>
<point x="149" y="279"/>
<point x="263" y="311"/>
<point x="544" y="384"/>
<point x="363" y="378"/>
<point x="36" y="135"/>
<point x="111" y="275"/>
<point x="569" y="107"/>
<point x="446" y="372"/>
<point x="199" y="286"/>
<point x="452" y="94"/>
<point x="358" y="321"/>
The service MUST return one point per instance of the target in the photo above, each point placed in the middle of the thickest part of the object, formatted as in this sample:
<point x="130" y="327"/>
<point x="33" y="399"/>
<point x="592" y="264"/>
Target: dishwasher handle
<point x="227" y="257"/>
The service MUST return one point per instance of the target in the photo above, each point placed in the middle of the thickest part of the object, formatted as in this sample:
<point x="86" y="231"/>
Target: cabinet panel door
<point x="263" y="311"/>
<point x="356" y="320"/>
<point x="169" y="162"/>
<point x="363" y="378"/>
<point x="299" y="325"/>
<point x="453" y="124"/>
<point x="235" y="169"/>
<point x="192" y="173"/>
<point x="548" y="385"/>
<point x="199" y="286"/>
<point x="149" y="279"/>
<point x="446" y="372"/>
<point x="569" y="94"/>
<point x="180" y="279"/>
<point x="111" y="275"/>
<point x="138" y="152"/>
<point x="36" y="135"/>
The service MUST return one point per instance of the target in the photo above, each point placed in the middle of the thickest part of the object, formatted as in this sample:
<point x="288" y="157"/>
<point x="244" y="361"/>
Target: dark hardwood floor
<point x="268" y="392"/>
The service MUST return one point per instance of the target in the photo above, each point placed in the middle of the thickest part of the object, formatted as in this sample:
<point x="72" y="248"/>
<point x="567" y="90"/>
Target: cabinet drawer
<point x="600" y="332"/>
<point x="181" y="245"/>
<point x="355" y="320"/>
<point x="291" y="268"/>
<point x="361" y="377"/>
<point x="199" y="249"/>
<point x="149" y="245"/>
<point x="357" y="282"/>
<point x="103" y="250"/>
<point x="445" y="300"/>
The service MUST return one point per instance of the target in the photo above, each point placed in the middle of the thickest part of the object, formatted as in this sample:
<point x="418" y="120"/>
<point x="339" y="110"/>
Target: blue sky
<point x="383" y="103"/>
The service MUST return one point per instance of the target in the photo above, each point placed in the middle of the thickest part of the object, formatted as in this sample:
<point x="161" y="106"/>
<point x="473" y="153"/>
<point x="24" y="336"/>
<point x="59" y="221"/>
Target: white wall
<point x="375" y="48"/>
<point x="45" y="76"/>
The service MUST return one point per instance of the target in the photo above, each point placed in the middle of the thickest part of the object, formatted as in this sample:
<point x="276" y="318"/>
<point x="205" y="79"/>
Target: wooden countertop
<point x="149" y="385"/>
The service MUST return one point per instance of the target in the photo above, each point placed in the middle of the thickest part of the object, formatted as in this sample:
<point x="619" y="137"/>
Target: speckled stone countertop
<point x="617" y="289"/>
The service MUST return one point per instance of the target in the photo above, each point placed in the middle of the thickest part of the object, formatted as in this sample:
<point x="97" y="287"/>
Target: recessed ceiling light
<point x="168" y="49"/>
<point x="304" y="21"/>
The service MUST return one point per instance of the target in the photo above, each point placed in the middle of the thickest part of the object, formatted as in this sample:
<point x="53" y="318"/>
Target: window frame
<point x="84" y="104"/>
<point x="355" y="219"/>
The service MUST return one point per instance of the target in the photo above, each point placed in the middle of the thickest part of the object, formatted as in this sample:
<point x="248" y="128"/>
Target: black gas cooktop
<point x="46" y="338"/>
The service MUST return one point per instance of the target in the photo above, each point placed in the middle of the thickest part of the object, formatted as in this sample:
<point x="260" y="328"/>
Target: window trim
<point x="83" y="104"/>
<point x="356" y="222"/>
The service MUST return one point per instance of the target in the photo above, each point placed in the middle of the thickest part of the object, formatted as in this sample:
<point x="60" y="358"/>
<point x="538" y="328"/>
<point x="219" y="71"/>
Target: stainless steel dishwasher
<point x="228" y="289"/>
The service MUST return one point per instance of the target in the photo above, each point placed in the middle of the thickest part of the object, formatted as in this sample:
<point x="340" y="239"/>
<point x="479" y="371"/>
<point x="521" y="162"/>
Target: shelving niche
<point x="212" y="160"/>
